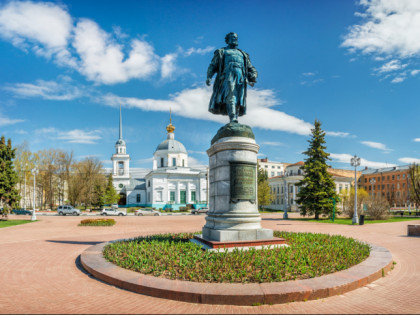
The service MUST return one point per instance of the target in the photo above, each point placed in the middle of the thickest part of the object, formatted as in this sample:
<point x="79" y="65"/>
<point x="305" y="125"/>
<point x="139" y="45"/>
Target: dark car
<point x="21" y="211"/>
<point x="200" y="210"/>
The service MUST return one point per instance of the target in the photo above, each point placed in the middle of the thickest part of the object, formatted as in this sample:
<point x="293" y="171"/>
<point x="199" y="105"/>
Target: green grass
<point x="97" y="222"/>
<point x="349" y="221"/>
<point x="173" y="256"/>
<point x="13" y="222"/>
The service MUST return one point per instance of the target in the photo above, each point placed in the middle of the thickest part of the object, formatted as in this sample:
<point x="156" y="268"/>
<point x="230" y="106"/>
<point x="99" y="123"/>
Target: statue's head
<point x="231" y="39"/>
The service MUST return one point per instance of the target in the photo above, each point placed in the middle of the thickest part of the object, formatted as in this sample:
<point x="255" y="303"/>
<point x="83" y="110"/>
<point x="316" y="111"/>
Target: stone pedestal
<point x="233" y="204"/>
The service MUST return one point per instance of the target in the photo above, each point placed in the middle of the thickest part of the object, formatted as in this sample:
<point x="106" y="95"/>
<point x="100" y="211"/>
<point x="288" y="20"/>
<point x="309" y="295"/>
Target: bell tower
<point x="120" y="161"/>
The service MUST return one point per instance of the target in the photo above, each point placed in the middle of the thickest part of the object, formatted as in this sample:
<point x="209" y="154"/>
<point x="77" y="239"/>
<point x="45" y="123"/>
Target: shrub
<point x="97" y="222"/>
<point x="183" y="209"/>
<point x="348" y="201"/>
<point x="378" y="208"/>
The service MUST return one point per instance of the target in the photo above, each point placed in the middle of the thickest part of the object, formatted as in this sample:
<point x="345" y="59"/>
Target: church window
<point x="162" y="162"/>
<point x="172" y="196"/>
<point x="138" y="198"/>
<point x="173" y="161"/>
<point x="120" y="168"/>
<point x="183" y="196"/>
<point x="148" y="183"/>
<point x="183" y="163"/>
<point x="193" y="199"/>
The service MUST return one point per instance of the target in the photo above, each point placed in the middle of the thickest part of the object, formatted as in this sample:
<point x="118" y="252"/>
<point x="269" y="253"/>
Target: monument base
<point x="243" y="245"/>
<point x="228" y="235"/>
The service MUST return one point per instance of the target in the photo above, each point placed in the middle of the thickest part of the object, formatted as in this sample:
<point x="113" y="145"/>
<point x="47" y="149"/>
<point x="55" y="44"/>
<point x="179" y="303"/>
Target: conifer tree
<point x="317" y="188"/>
<point x="111" y="196"/>
<point x="9" y="195"/>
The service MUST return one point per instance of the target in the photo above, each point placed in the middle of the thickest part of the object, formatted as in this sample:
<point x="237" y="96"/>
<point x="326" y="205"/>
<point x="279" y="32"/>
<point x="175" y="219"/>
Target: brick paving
<point x="40" y="271"/>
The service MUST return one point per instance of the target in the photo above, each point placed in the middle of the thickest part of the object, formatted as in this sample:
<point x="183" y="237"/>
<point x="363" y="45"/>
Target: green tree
<point x="317" y="187"/>
<point x="9" y="195"/>
<point x="347" y="198"/>
<point x="265" y="197"/>
<point x="111" y="196"/>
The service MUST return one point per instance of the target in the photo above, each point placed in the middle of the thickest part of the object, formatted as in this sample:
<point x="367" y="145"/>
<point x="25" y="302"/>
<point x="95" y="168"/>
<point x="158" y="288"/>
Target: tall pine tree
<point x="9" y="195"/>
<point x="317" y="188"/>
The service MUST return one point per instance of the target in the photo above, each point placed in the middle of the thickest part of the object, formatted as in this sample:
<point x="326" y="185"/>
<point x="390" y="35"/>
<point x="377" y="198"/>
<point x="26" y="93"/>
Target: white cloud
<point x="43" y="27"/>
<point x="197" y="152"/>
<point x="193" y="162"/>
<point x="338" y="134"/>
<point x="409" y="160"/>
<point x="345" y="158"/>
<point x="415" y="72"/>
<point x="376" y="145"/>
<point x="388" y="27"/>
<point x="392" y="65"/>
<point x="308" y="74"/>
<point x="199" y="51"/>
<point x="71" y="136"/>
<point x="6" y="121"/>
<point x="168" y="65"/>
<point x="272" y="143"/>
<point x="417" y="139"/>
<point x="193" y="103"/>
<point x="60" y="90"/>
<point x="102" y="59"/>
<point x="398" y="79"/>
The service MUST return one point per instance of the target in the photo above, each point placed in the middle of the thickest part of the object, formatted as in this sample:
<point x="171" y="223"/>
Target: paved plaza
<point x="41" y="272"/>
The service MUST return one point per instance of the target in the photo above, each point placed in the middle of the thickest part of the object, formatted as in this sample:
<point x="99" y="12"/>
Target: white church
<point x="170" y="184"/>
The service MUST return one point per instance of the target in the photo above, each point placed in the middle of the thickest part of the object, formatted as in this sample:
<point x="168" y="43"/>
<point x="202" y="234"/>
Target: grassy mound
<point x="172" y="256"/>
<point x="97" y="222"/>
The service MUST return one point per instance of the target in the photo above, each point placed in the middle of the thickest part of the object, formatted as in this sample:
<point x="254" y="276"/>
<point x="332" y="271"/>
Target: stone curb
<point x="374" y="267"/>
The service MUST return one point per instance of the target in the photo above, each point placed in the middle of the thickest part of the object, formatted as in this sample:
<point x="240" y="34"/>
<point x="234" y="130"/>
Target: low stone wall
<point x="413" y="230"/>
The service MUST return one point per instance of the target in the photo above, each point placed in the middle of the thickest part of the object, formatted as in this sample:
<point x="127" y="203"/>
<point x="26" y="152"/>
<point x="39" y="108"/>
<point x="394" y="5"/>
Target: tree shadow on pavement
<point x="74" y="242"/>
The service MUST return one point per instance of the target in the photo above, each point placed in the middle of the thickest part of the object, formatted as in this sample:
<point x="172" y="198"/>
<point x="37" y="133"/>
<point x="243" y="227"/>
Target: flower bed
<point x="172" y="256"/>
<point x="97" y="222"/>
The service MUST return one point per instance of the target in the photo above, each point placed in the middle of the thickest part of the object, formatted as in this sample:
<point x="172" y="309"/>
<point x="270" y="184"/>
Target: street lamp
<point x="355" y="161"/>
<point x="34" y="171"/>
<point x="408" y="192"/>
<point x="372" y="182"/>
<point x="24" y="188"/>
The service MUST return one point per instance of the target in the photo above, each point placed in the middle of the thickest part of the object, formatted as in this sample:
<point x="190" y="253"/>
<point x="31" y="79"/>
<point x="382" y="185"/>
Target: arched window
<point x="138" y="198"/>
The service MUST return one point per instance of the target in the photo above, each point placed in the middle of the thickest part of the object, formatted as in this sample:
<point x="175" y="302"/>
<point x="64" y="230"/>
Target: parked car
<point x="67" y="209"/>
<point x="21" y="212"/>
<point x="113" y="211"/>
<point x="200" y="210"/>
<point x="146" y="211"/>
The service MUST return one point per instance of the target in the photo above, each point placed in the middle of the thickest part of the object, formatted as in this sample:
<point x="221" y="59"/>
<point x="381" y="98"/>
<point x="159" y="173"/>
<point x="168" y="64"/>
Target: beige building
<point x="284" y="188"/>
<point x="272" y="168"/>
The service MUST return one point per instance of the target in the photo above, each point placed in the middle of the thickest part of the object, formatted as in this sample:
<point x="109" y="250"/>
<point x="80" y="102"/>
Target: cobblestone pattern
<point x="41" y="273"/>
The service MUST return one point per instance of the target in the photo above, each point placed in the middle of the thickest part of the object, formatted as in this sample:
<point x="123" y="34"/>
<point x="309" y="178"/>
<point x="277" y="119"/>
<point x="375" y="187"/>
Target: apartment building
<point x="272" y="168"/>
<point x="392" y="183"/>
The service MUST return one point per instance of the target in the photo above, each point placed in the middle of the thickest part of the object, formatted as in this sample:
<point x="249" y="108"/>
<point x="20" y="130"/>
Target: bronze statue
<point x="234" y="71"/>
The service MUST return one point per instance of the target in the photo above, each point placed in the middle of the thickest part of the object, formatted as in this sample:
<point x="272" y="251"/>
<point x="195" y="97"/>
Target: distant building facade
<point x="391" y="183"/>
<point x="272" y="168"/>
<point x="284" y="188"/>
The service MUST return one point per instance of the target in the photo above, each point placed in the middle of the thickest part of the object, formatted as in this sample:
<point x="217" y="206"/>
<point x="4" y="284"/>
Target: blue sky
<point x="67" y="66"/>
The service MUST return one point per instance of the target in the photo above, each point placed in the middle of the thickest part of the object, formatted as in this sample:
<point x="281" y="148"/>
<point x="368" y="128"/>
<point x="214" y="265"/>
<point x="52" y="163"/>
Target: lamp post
<point x="372" y="182"/>
<point x="24" y="188"/>
<point x="408" y="192"/>
<point x="34" y="171"/>
<point x="355" y="161"/>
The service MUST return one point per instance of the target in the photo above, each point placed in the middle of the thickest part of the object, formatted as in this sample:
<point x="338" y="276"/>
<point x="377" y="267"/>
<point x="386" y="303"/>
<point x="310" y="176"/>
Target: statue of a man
<point x="234" y="70"/>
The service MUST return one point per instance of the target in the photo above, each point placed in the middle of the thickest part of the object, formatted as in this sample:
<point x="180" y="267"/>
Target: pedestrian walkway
<point x="41" y="273"/>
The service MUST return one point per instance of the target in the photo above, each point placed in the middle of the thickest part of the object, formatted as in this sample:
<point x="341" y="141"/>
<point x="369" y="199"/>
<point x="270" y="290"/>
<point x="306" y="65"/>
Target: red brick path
<point x="39" y="270"/>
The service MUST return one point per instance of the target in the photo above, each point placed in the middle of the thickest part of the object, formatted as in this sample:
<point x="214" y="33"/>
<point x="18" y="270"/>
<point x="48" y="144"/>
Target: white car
<point x="66" y="209"/>
<point x="113" y="211"/>
<point x="146" y="211"/>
